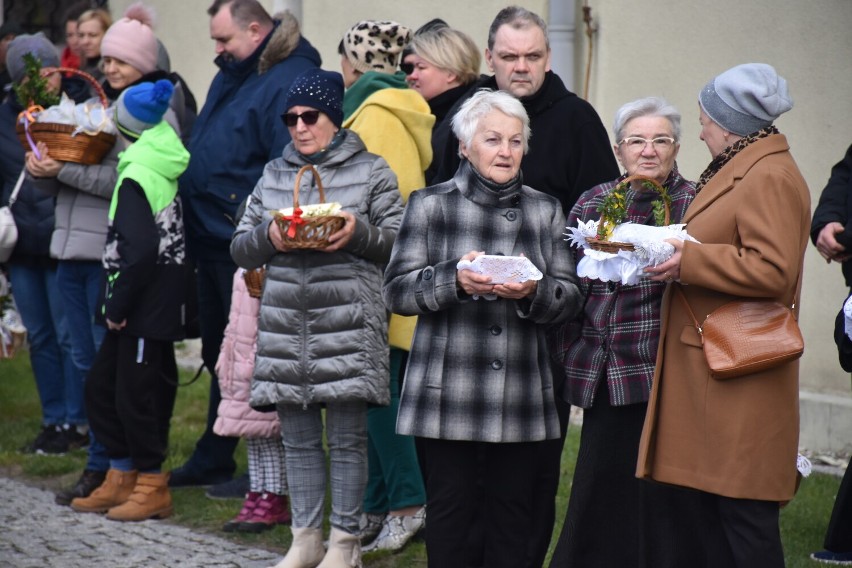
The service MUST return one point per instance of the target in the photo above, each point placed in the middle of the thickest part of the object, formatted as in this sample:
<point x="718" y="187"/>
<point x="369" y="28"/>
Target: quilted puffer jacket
<point x="235" y="367"/>
<point x="322" y="332"/>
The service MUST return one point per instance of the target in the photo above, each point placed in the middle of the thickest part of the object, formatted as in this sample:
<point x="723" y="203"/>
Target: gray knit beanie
<point x="746" y="98"/>
<point x="36" y="44"/>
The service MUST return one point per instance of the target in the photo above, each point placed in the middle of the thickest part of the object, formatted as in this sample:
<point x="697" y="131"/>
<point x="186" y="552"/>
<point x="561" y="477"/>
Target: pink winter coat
<point x="235" y="367"/>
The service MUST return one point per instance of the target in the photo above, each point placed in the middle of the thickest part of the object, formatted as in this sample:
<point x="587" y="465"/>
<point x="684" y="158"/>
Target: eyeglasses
<point x="309" y="117"/>
<point x="407" y="68"/>
<point x="637" y="143"/>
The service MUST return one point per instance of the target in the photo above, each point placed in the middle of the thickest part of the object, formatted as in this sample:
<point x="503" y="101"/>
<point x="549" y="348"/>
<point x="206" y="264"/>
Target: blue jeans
<point x="79" y="283"/>
<point x="43" y="313"/>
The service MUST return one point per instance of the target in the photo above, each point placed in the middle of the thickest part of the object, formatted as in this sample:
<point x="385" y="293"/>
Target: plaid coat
<point x="479" y="370"/>
<point x="616" y="336"/>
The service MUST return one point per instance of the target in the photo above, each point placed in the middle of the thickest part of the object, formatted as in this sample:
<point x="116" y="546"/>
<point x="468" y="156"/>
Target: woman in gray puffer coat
<point x="322" y="332"/>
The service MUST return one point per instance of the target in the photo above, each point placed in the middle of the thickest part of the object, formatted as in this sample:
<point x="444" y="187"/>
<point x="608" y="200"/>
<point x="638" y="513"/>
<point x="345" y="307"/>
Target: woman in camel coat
<point x="734" y="440"/>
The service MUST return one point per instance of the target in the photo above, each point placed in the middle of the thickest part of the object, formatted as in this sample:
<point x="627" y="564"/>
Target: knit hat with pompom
<point x="142" y="107"/>
<point x="131" y="39"/>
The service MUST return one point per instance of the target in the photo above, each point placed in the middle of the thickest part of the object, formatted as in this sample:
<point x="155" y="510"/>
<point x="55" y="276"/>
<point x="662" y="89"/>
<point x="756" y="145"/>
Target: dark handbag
<point x="747" y="336"/>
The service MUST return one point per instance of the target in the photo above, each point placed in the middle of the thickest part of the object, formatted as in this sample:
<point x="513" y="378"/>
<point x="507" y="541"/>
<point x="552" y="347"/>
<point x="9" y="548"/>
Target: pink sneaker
<point x="234" y="525"/>
<point x="270" y="510"/>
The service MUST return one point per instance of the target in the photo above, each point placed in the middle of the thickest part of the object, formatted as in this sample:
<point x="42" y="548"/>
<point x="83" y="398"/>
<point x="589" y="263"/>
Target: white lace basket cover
<point x="624" y="266"/>
<point x="501" y="269"/>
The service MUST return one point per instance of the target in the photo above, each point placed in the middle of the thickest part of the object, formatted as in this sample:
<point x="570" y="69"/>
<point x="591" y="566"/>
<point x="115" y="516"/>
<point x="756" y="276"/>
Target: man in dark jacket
<point x="569" y="153"/>
<point x="569" y="148"/>
<point x="236" y="134"/>
<point x="831" y="232"/>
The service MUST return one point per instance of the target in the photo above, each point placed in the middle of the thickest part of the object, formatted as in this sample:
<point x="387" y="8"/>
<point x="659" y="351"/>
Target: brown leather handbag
<point x="747" y="336"/>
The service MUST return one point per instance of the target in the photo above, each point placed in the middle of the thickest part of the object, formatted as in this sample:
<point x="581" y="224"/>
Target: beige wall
<point x="661" y="47"/>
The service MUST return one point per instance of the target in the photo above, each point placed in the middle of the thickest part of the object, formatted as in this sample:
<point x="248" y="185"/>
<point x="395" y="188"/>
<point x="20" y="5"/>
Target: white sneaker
<point x="396" y="531"/>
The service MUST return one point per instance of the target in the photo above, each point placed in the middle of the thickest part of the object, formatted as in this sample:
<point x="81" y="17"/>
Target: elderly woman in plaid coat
<point x="478" y="389"/>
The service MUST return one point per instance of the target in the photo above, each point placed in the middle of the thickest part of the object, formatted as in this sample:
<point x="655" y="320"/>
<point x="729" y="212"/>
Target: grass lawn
<point x="803" y="522"/>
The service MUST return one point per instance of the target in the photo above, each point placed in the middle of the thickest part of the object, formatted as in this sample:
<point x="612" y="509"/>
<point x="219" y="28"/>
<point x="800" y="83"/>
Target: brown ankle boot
<point x="114" y="491"/>
<point x="150" y="499"/>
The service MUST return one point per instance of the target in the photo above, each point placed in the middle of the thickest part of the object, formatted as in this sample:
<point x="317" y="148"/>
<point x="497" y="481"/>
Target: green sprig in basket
<point x="613" y="209"/>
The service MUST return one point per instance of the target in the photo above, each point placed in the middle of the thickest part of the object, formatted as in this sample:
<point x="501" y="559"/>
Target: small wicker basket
<point x="82" y="148"/>
<point x="311" y="232"/>
<point x="614" y="246"/>
<point x="254" y="281"/>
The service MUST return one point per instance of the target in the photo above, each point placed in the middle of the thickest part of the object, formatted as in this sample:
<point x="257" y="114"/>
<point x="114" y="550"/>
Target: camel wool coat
<point x="735" y="437"/>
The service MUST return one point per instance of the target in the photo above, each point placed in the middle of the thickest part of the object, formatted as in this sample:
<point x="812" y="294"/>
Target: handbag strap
<point x="18" y="184"/>
<point x="679" y="291"/>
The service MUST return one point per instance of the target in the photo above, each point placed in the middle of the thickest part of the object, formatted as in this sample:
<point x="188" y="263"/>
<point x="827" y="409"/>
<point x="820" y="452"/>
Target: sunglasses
<point x="407" y="68"/>
<point x="309" y="117"/>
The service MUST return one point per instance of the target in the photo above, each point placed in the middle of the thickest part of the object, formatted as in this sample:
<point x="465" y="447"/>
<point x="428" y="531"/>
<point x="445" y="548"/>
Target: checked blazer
<point x="479" y="370"/>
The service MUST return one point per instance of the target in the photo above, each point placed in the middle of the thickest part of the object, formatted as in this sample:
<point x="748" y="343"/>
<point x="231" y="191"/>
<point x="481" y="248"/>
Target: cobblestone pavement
<point x="35" y="532"/>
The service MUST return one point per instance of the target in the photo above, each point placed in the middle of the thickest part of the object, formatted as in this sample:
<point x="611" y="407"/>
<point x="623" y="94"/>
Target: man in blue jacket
<point x="236" y="134"/>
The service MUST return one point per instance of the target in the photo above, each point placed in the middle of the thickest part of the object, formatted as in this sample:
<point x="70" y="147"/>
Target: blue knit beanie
<point x="142" y="107"/>
<point x="319" y="89"/>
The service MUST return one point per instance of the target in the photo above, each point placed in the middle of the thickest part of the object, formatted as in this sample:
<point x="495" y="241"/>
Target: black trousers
<point x="213" y="454"/>
<point x="838" y="537"/>
<point x="502" y="506"/>
<point x="130" y="395"/>
<point x="751" y="531"/>
<point x="616" y="520"/>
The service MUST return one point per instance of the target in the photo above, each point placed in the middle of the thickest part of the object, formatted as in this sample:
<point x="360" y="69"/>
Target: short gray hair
<point x="482" y="103"/>
<point x="648" y="106"/>
<point x="519" y="19"/>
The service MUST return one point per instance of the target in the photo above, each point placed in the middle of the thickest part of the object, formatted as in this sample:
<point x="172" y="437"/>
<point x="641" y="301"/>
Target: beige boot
<point x="344" y="550"/>
<point x="150" y="499"/>
<point x="306" y="551"/>
<point x="115" y="490"/>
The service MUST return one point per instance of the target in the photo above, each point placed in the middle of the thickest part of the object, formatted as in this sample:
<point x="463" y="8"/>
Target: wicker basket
<point x="311" y="232"/>
<point x="254" y="281"/>
<point x="615" y="246"/>
<point x="81" y="148"/>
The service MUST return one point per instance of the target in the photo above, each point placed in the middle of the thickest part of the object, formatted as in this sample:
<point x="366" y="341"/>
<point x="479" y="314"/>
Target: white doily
<point x="804" y="466"/>
<point x="624" y="266"/>
<point x="501" y="269"/>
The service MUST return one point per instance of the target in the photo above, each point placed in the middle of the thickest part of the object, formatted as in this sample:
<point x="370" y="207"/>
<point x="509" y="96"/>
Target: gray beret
<point x="746" y="98"/>
<point x="36" y="44"/>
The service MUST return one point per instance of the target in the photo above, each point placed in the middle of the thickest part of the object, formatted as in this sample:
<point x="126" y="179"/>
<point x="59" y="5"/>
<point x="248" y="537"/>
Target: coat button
<point x="233" y="197"/>
<point x="427" y="273"/>
<point x="496" y="364"/>
<point x="496" y="330"/>
<point x="511" y="215"/>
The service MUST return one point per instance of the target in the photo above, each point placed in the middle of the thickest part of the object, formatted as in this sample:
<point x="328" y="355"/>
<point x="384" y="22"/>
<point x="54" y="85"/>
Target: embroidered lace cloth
<point x="624" y="266"/>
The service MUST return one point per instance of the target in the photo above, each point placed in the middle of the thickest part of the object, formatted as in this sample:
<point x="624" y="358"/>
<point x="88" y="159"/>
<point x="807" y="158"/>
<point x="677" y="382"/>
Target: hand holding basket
<point x="304" y="231"/>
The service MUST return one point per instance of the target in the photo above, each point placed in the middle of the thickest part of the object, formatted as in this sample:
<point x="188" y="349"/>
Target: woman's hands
<point x="340" y="239"/>
<point x="670" y="269"/>
<point x="337" y="240"/>
<point x="46" y="167"/>
<point x="477" y="284"/>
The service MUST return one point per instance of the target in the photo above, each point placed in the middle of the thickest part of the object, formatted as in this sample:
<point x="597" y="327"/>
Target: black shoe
<point x="75" y="438"/>
<point x="187" y="476"/>
<point x="50" y="441"/>
<point x="88" y="482"/>
<point x="234" y="489"/>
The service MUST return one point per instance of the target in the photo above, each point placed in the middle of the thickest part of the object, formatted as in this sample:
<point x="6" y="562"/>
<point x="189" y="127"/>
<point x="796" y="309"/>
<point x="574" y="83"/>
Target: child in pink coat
<point x="266" y="503"/>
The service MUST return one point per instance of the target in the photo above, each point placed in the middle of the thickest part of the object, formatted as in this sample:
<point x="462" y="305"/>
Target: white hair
<point x="482" y="103"/>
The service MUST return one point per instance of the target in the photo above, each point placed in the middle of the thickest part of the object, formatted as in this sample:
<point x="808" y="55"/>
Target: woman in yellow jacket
<point x="394" y="122"/>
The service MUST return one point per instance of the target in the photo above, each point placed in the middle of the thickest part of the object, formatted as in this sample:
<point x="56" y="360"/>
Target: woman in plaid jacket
<point x="478" y="387"/>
